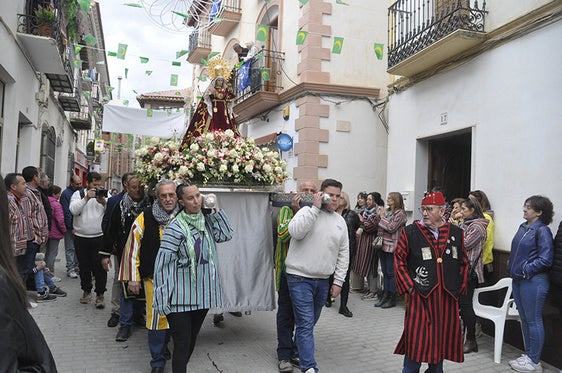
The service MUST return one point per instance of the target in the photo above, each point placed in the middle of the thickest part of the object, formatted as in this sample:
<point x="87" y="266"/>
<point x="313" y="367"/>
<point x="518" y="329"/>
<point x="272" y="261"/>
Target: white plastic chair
<point x="496" y="314"/>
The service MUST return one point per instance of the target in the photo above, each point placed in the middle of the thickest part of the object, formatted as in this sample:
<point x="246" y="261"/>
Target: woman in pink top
<point x="58" y="228"/>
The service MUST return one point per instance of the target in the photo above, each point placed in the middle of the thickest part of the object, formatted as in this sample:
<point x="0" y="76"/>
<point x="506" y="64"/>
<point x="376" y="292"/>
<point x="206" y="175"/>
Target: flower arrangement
<point x="215" y="157"/>
<point x="45" y="15"/>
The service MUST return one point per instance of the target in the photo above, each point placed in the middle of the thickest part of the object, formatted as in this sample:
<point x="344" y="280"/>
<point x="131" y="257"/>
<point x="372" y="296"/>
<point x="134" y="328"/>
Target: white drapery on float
<point x="246" y="261"/>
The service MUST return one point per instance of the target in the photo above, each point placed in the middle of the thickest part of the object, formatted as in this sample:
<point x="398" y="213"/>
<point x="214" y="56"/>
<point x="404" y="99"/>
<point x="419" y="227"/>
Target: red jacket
<point x="58" y="228"/>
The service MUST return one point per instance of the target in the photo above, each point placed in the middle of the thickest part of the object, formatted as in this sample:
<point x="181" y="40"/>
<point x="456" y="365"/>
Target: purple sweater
<point x="58" y="228"/>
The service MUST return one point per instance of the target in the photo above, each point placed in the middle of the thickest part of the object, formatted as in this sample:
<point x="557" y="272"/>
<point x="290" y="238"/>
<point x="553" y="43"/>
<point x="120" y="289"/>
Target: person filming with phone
<point x="87" y="207"/>
<point x="319" y="247"/>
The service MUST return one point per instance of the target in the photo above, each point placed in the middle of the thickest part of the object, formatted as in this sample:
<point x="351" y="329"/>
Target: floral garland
<point x="214" y="157"/>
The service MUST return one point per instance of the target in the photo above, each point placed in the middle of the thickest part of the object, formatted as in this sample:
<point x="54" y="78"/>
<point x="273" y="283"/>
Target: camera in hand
<point x="209" y="203"/>
<point x="326" y="198"/>
<point x="101" y="193"/>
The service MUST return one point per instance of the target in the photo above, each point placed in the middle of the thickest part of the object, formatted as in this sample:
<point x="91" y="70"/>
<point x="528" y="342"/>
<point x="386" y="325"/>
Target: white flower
<point x="212" y="153"/>
<point x="223" y="168"/>
<point x="235" y="168"/>
<point x="258" y="156"/>
<point x="233" y="153"/>
<point x="183" y="170"/>
<point x="278" y="170"/>
<point x="154" y="140"/>
<point x="173" y="146"/>
<point x="209" y="136"/>
<point x="267" y="168"/>
<point x="200" y="166"/>
<point x="249" y="167"/>
<point x="229" y="133"/>
<point x="250" y="140"/>
<point x="194" y="147"/>
<point x="158" y="157"/>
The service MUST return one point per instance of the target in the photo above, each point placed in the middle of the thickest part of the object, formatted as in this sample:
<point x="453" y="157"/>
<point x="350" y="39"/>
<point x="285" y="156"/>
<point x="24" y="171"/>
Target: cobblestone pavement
<point x="81" y="341"/>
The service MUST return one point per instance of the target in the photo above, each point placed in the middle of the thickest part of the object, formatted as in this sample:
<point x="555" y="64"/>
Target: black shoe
<point x="328" y="304"/>
<point x="391" y="302"/>
<point x="296" y="362"/>
<point x="237" y="314"/>
<point x="346" y="312"/>
<point x="123" y="333"/>
<point x="157" y="370"/>
<point x="218" y="318"/>
<point x="382" y="300"/>
<point x="113" y="320"/>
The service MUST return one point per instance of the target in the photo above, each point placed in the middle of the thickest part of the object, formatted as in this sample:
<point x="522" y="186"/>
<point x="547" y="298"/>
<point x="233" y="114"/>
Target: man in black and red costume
<point x="431" y="267"/>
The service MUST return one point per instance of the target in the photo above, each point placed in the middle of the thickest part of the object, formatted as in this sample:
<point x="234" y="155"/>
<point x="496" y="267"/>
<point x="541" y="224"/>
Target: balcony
<point x="425" y="33"/>
<point x="81" y="120"/>
<point x="45" y="49"/>
<point x="255" y="94"/>
<point x="199" y="46"/>
<point x="229" y="14"/>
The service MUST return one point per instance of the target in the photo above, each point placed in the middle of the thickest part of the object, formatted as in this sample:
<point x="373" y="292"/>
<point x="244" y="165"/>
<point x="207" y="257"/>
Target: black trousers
<point x="467" y="311"/>
<point x="184" y="328"/>
<point x="89" y="262"/>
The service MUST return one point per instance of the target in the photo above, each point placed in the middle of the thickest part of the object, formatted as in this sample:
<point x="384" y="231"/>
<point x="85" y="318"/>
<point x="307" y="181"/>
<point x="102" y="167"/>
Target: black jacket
<point x="23" y="346"/>
<point x="556" y="269"/>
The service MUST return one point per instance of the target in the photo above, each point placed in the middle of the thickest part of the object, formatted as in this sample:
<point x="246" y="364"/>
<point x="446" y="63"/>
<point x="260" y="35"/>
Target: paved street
<point x="81" y="341"/>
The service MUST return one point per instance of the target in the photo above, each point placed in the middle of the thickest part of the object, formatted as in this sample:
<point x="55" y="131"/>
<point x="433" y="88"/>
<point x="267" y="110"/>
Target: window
<point x="48" y="148"/>
<point x="2" y="90"/>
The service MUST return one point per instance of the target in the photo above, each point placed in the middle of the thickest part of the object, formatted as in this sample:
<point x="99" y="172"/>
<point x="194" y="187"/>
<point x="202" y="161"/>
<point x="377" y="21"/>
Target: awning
<point x="43" y="53"/>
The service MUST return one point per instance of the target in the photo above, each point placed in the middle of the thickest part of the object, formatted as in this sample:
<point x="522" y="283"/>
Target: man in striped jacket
<point x="431" y="266"/>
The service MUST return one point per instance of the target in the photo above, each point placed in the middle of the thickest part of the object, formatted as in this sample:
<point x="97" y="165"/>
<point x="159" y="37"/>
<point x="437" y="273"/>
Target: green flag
<point x="169" y="111"/>
<point x="338" y="45"/>
<point x="175" y="63"/>
<point x="134" y="5"/>
<point x="86" y="94"/>
<point x="265" y="74"/>
<point x="110" y="89"/>
<point x="262" y="32"/>
<point x="212" y="54"/>
<point x="303" y="2"/>
<point x="125" y="102"/>
<point x="148" y="72"/>
<point x="180" y="14"/>
<point x="77" y="63"/>
<point x="135" y="92"/>
<point x="341" y="2"/>
<point x="301" y="36"/>
<point x="379" y="50"/>
<point x="77" y="48"/>
<point x="174" y="80"/>
<point x="121" y="51"/>
<point x="180" y="53"/>
<point x="143" y="59"/>
<point x="149" y="113"/>
<point x="126" y="72"/>
<point x="85" y="4"/>
<point x="112" y="54"/>
<point x="89" y="39"/>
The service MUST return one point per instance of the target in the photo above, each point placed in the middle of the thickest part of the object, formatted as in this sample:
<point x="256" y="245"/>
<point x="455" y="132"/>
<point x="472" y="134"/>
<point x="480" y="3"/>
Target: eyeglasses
<point x="426" y="209"/>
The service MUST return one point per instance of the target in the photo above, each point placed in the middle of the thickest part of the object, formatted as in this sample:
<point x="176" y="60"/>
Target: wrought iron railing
<point x="413" y="25"/>
<point x="232" y="5"/>
<point x="28" y="24"/>
<point x="263" y="75"/>
<point x="199" y="39"/>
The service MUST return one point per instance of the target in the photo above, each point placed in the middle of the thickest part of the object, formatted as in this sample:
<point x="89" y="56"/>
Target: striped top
<point x="130" y="261"/>
<point x="174" y="288"/>
<point x="390" y="228"/>
<point x="19" y="225"/>
<point x="283" y="239"/>
<point x="36" y="215"/>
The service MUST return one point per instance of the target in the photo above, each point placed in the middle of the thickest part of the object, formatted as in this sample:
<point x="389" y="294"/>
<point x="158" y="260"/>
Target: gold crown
<point x="218" y="67"/>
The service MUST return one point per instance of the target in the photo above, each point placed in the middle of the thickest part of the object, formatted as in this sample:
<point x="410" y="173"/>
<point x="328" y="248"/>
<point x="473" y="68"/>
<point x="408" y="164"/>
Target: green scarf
<point x="198" y="222"/>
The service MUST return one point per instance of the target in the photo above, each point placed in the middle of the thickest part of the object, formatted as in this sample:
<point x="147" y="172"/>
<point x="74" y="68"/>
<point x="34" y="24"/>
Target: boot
<point x="382" y="299"/>
<point x="390" y="302"/>
<point x="470" y="346"/>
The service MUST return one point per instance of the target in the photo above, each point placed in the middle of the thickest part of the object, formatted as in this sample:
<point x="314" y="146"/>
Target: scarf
<point x="196" y="221"/>
<point x="162" y="216"/>
<point x="369" y="213"/>
<point x="130" y="208"/>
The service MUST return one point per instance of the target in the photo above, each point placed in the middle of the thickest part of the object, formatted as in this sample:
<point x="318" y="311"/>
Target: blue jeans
<point x="128" y="308"/>
<point x="71" y="261"/>
<point x="387" y="266"/>
<point x="158" y="344"/>
<point x="411" y="366"/>
<point x="529" y="295"/>
<point x="41" y="279"/>
<point x="26" y="262"/>
<point x="308" y="296"/>
<point x="286" y="346"/>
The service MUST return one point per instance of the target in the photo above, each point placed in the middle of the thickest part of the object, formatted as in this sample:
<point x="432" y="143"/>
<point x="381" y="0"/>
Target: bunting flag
<point x="134" y="5"/>
<point x="112" y="54"/>
<point x="169" y="111"/>
<point x="262" y="32"/>
<point x="77" y="48"/>
<point x="265" y="74"/>
<point x="301" y="37"/>
<point x="121" y="51"/>
<point x="126" y="72"/>
<point x="202" y="78"/>
<point x="89" y="39"/>
<point x="267" y="1"/>
<point x="174" y="80"/>
<point x="204" y="62"/>
<point x="77" y="63"/>
<point x="175" y="63"/>
<point x="85" y="4"/>
<point x="180" y="53"/>
<point x="338" y="45"/>
<point x="212" y="54"/>
<point x="110" y="89"/>
<point x="144" y="59"/>
<point x="135" y="92"/>
<point x="149" y="112"/>
<point x="148" y="72"/>
<point x="379" y="50"/>
<point x="125" y="102"/>
<point x="86" y="94"/>
<point x="303" y="2"/>
<point x="341" y="2"/>
<point x="180" y="14"/>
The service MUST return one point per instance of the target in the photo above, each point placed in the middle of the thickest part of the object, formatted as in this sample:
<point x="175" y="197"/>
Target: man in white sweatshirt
<point x="319" y="248"/>
<point x="88" y="206"/>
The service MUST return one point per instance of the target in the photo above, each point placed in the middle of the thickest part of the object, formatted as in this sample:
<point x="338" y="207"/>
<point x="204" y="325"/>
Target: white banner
<point x="135" y="121"/>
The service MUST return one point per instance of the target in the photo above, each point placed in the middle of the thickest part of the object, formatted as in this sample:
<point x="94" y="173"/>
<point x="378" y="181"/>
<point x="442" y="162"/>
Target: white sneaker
<point x="525" y="364"/>
<point x="32" y="304"/>
<point x="310" y="370"/>
<point x="56" y="279"/>
<point x="72" y="274"/>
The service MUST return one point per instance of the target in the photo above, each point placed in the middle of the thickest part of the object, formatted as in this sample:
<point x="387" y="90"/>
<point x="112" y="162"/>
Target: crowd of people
<point x="162" y="248"/>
